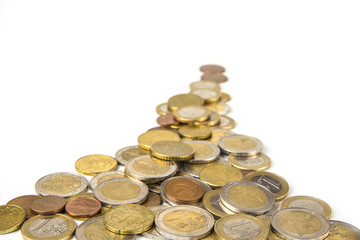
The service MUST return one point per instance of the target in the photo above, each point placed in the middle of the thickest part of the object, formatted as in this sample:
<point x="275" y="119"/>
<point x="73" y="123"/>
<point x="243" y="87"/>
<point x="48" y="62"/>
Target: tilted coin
<point x="191" y="114"/>
<point x="83" y="207"/>
<point x="25" y="203"/>
<point x="61" y="184"/>
<point x="248" y="197"/>
<point x="211" y="236"/>
<point x="184" y="222"/>
<point x="241" y="226"/>
<point x="240" y="145"/>
<point x="194" y="169"/>
<point x="209" y="96"/>
<point x="219" y="107"/>
<point x="101" y="177"/>
<point x="213" y="120"/>
<point x="219" y="78"/>
<point x="48" y="205"/>
<point x="149" y="169"/>
<point x="183" y="100"/>
<point x="129" y="219"/>
<point x="212" y="203"/>
<point x="152" y="199"/>
<point x="276" y="184"/>
<point x="11" y="218"/>
<point x="154" y="187"/>
<point x="258" y="162"/>
<point x="211" y="85"/>
<point x="307" y="202"/>
<point x="168" y="128"/>
<point x="87" y="194"/>
<point x="50" y="227"/>
<point x="219" y="175"/>
<point x="127" y="153"/>
<point x="94" y="228"/>
<point x="225" y="97"/>
<point x="205" y="152"/>
<point x="195" y="132"/>
<point x="91" y="165"/>
<point x="273" y="236"/>
<point x="172" y="150"/>
<point x="343" y="231"/>
<point x="226" y="122"/>
<point x="121" y="191"/>
<point x="217" y="134"/>
<point x="212" y="68"/>
<point x="162" y="109"/>
<point x="152" y="233"/>
<point x="298" y="223"/>
<point x="167" y="120"/>
<point x="146" y="139"/>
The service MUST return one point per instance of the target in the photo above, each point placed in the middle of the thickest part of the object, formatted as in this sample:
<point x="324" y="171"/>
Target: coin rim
<point x="249" y="152"/>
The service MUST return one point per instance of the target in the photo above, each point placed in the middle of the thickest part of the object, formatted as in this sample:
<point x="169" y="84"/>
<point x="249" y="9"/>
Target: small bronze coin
<point x="48" y="205"/>
<point x="25" y="202"/>
<point x="167" y="120"/>
<point x="83" y="207"/>
<point x="212" y="68"/>
<point x="219" y="78"/>
<point x="183" y="190"/>
<point x="153" y="199"/>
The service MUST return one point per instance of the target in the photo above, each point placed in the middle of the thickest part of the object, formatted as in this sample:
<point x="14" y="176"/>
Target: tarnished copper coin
<point x="167" y="120"/>
<point x="48" y="205"/>
<point x="153" y="199"/>
<point x="183" y="190"/>
<point x="25" y="202"/>
<point x="212" y="68"/>
<point x="83" y="207"/>
<point x="219" y="78"/>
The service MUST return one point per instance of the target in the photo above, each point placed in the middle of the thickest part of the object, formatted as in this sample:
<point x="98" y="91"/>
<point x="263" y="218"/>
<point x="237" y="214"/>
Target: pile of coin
<point x="191" y="177"/>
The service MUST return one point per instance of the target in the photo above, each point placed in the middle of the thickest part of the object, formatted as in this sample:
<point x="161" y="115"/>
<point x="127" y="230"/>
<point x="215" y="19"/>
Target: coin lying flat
<point x="308" y="202"/>
<point x="152" y="233"/>
<point x="162" y="109"/>
<point x="194" y="169"/>
<point x="241" y="226"/>
<point x="297" y="223"/>
<point x="101" y="177"/>
<point x="240" y="145"/>
<point x="219" y="78"/>
<point x="191" y="114"/>
<point x="183" y="100"/>
<point x="83" y="207"/>
<point x="11" y="218"/>
<point x="167" y="120"/>
<point x="211" y="85"/>
<point x="61" y="184"/>
<point x="87" y="194"/>
<point x="205" y="152"/>
<point x="225" y="97"/>
<point x="257" y="163"/>
<point x="146" y="139"/>
<point x="226" y="122"/>
<point x="129" y="219"/>
<point x="153" y="199"/>
<point x="25" y="203"/>
<point x="184" y="222"/>
<point x="171" y="150"/>
<point x="343" y="231"/>
<point x="212" y="68"/>
<point x="94" y="164"/>
<point x="208" y="95"/>
<point x="48" y="205"/>
<point x="213" y="120"/>
<point x="195" y="132"/>
<point x="127" y="153"/>
<point x="219" y="175"/>
<point x="212" y="203"/>
<point x="217" y="134"/>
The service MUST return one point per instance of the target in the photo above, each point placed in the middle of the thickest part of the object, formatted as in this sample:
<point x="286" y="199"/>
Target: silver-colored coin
<point x="205" y="151"/>
<point x="248" y="197"/>
<point x="62" y="184"/>
<point x="258" y="162"/>
<point x="205" y="85"/>
<point x="162" y="109"/>
<point x="184" y="222"/>
<point x="207" y="94"/>
<point x="120" y="191"/>
<point x="240" y="145"/>
<point x="154" y="187"/>
<point x="211" y="202"/>
<point x="299" y="223"/>
<point x="101" y="177"/>
<point x="343" y="230"/>
<point x="194" y="169"/>
<point x="127" y="153"/>
<point x="153" y="233"/>
<point x="150" y="170"/>
<point x="94" y="228"/>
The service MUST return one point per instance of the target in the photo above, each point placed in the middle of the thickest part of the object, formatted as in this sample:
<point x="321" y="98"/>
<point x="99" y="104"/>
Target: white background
<point x="84" y="77"/>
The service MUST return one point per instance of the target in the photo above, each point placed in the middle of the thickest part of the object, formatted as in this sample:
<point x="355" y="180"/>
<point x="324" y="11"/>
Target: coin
<point x="240" y="145"/>
<point x="150" y="170"/>
<point x="127" y="153"/>
<point x="184" y="222"/>
<point x="129" y="219"/>
<point x="146" y="139"/>
<point x="298" y="223"/>
<point x="211" y="236"/>
<point x="25" y="202"/>
<point x="58" y="226"/>
<point x="343" y="231"/>
<point x="61" y="184"/>
<point x="88" y="194"/>
<point x="219" y="78"/>
<point x="204" y="151"/>
<point x="213" y="120"/>
<point x="171" y="150"/>
<point x="184" y="190"/>
<point x="48" y="205"/>
<point x="162" y="109"/>
<point x="308" y="202"/>
<point x="154" y="187"/>
<point x="11" y="218"/>
<point x="219" y="107"/>
<point x="219" y="175"/>
<point x="209" y="96"/>
<point x="169" y="128"/>
<point x="212" y="203"/>
<point x="195" y="132"/>
<point x="153" y="199"/>
<point x="257" y="162"/>
<point x="94" y="229"/>
<point x="276" y="184"/>
<point x="241" y="226"/>
<point x="121" y="191"/>
<point x="210" y="85"/>
<point x="83" y="207"/>
<point x="152" y="233"/>
<point x="225" y="97"/>
<point x="217" y="134"/>
<point x="191" y="114"/>
<point x="194" y="169"/>
<point x="167" y="120"/>
<point x="91" y="165"/>
<point x="212" y="68"/>
<point x="183" y="100"/>
<point x="101" y="177"/>
<point x="248" y="197"/>
<point x="273" y="236"/>
<point x="226" y="122"/>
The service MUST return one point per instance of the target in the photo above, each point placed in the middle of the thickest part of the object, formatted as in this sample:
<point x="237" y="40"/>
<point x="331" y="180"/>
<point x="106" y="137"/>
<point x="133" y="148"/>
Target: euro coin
<point x="171" y="150"/>
<point x="91" y="165"/>
<point x="240" y="145"/>
<point x="11" y="218"/>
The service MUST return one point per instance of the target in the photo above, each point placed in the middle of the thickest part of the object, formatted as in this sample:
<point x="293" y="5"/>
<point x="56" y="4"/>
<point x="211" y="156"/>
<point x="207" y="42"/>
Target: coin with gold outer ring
<point x="162" y="109"/>
<point x="91" y="165"/>
<point x="11" y="218"/>
<point x="191" y="114"/>
<point x="182" y="100"/>
<point x="219" y="107"/>
<point x="226" y="122"/>
<point x="171" y="150"/>
<point x="213" y="120"/>
<point x="195" y="132"/>
<point x="224" y="97"/>
<point x="210" y="96"/>
<point x="219" y="175"/>
<point x="146" y="139"/>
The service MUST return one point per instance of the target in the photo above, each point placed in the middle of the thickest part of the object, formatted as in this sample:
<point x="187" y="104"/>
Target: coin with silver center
<point x="204" y="151"/>
<point x="193" y="169"/>
<point x="257" y="162"/>
<point x="127" y="153"/>
<point x="105" y="176"/>
<point x="240" y="145"/>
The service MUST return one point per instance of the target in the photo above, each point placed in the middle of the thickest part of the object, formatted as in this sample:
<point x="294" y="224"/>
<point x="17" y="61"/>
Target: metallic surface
<point x="184" y="190"/>
<point x="83" y="207"/>
<point x="171" y="150"/>
<point x="182" y="100"/>
<point x="127" y="153"/>
<point x="219" y="175"/>
<point x="212" y="68"/>
<point x="162" y="109"/>
<point x="219" y="78"/>
<point x="48" y="205"/>
<point x="217" y="134"/>
<point x="195" y="132"/>
<point x="153" y="199"/>
<point x="194" y="169"/>
<point x="219" y="107"/>
<point x="25" y="203"/>
<point x="210" y="96"/>
<point x="11" y="218"/>
<point x="167" y="120"/>
<point x="146" y="139"/>
<point x="191" y="114"/>
<point x="205" y="152"/>
<point x="211" y="85"/>
<point x="240" y="145"/>
<point x="153" y="233"/>
<point x="91" y="165"/>
<point x="101" y="177"/>
<point x="257" y="163"/>
<point x="211" y="202"/>
<point x="343" y="231"/>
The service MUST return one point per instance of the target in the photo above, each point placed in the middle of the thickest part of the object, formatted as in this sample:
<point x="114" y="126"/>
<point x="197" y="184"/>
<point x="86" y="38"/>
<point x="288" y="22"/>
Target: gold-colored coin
<point x="195" y="132"/>
<point x="273" y="236"/>
<point x="204" y="151"/>
<point x="191" y="114"/>
<point x="195" y="168"/>
<point x="217" y="134"/>
<point x="211" y="201"/>
<point x="171" y="150"/>
<point x="241" y="226"/>
<point x="343" y="231"/>
<point x="11" y="218"/>
<point x="219" y="107"/>
<point x="212" y="236"/>
<point x="129" y="219"/>
<point x="209" y="96"/>
<point x="225" y="97"/>
<point x="226" y="122"/>
<point x="253" y="163"/>
<point x="211" y="85"/>
<point x="94" y="164"/>
<point x="183" y="100"/>
<point x="127" y="153"/>
<point x="213" y="120"/>
<point x="240" y="145"/>
<point x="219" y="175"/>
<point x="162" y="109"/>
<point x="308" y="202"/>
<point x="146" y="139"/>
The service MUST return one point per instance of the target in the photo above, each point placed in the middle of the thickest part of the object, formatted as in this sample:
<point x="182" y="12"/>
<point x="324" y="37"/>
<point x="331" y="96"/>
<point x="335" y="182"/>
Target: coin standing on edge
<point x="12" y="217"/>
<point x="240" y="145"/>
<point x="127" y="153"/>
<point x="93" y="164"/>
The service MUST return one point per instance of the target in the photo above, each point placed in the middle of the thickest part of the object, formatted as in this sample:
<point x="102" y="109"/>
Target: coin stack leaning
<point x="191" y="177"/>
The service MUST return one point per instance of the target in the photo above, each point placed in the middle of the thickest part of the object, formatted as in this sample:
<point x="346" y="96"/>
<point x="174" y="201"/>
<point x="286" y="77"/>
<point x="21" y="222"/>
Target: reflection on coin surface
<point x="48" y="205"/>
<point x="191" y="114"/>
<point x="195" y="132"/>
<point x="226" y="122"/>
<point x="240" y="145"/>
<point x="101" y="177"/>
<point x="11" y="218"/>
<point x="208" y="95"/>
<point x="257" y="162"/>
<point x="204" y="151"/>
<point x="153" y="233"/>
<point x="213" y="120"/>
<point x="211" y="201"/>
<point x="25" y="203"/>
<point x="171" y="150"/>
<point x="184" y="190"/>
<point x="146" y="139"/>
<point x="194" y="169"/>
<point x="162" y="109"/>
<point x="127" y="153"/>
<point x="219" y="175"/>
<point x="343" y="231"/>
<point x="83" y="207"/>
<point x="219" y="107"/>
<point x="183" y="100"/>
<point x="91" y="165"/>
<point x="212" y="68"/>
